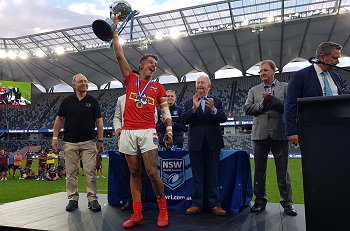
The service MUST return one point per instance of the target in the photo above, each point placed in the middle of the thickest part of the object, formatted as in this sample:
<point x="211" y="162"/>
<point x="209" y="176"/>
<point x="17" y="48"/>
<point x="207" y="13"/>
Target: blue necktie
<point x="326" y="84"/>
<point x="203" y="104"/>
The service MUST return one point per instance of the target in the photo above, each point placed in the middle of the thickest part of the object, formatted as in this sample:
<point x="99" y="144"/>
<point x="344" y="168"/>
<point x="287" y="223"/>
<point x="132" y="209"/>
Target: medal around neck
<point x="139" y="104"/>
<point x="104" y="29"/>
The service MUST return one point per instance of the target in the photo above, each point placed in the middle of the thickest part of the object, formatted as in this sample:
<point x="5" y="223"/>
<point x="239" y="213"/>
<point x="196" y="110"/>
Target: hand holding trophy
<point x="104" y="29"/>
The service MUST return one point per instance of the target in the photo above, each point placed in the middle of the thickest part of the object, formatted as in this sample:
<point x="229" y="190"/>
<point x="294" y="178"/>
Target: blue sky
<point x="25" y="17"/>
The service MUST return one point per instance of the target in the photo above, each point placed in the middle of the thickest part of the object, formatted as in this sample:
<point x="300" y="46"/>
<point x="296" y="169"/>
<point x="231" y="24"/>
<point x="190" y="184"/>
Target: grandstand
<point x="41" y="115"/>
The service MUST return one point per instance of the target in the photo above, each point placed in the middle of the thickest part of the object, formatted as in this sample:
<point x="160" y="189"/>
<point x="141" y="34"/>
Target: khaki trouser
<point x="86" y="151"/>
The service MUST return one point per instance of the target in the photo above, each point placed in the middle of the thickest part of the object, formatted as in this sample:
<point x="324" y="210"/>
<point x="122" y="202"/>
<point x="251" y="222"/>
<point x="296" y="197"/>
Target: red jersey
<point x="29" y="157"/>
<point x="3" y="160"/>
<point x="141" y="116"/>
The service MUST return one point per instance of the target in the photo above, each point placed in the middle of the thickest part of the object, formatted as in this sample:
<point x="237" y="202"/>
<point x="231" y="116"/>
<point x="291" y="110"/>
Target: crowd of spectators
<point x="232" y="92"/>
<point x="48" y="165"/>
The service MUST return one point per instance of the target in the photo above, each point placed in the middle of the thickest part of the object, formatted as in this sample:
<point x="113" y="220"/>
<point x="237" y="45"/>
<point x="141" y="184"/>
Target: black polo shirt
<point x="80" y="118"/>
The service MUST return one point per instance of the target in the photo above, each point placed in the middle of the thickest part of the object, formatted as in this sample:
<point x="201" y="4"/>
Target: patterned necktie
<point x="326" y="84"/>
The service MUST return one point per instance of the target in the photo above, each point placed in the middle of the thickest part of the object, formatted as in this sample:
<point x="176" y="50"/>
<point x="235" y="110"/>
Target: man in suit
<point x="314" y="80"/>
<point x="118" y="124"/>
<point x="265" y="103"/>
<point x="204" y="115"/>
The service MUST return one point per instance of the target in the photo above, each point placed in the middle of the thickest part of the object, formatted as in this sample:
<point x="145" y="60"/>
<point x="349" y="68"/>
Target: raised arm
<point x="118" y="50"/>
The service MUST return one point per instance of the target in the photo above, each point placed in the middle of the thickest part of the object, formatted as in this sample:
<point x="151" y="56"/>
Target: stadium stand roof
<point x="225" y="34"/>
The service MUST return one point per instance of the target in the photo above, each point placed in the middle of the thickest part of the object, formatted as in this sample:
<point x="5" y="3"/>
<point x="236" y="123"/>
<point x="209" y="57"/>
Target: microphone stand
<point x="328" y="64"/>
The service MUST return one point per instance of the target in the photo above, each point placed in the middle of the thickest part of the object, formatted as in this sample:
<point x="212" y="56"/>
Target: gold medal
<point x="139" y="104"/>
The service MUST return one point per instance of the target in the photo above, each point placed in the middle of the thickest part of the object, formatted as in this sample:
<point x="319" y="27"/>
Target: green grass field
<point x="14" y="189"/>
<point x="24" y="87"/>
<point x="271" y="181"/>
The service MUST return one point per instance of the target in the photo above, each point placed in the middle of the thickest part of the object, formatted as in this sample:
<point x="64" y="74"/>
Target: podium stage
<point x="48" y="213"/>
<point x="174" y="167"/>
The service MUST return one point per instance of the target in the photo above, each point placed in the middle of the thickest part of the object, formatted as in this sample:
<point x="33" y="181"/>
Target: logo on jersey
<point x="172" y="172"/>
<point x="153" y="89"/>
<point x="145" y="99"/>
<point x="88" y="104"/>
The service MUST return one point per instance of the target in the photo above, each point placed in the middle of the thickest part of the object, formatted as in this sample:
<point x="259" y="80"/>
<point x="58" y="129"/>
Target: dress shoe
<point x="127" y="206"/>
<point x="94" y="206"/>
<point x="193" y="210"/>
<point x="257" y="208"/>
<point x="72" y="205"/>
<point x="290" y="210"/>
<point x="218" y="211"/>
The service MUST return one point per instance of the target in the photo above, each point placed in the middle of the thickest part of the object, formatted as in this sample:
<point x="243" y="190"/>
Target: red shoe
<point x="163" y="219"/>
<point x="133" y="221"/>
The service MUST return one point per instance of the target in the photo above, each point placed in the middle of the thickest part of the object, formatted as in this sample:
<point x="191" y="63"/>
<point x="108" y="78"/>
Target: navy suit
<point x="178" y="127"/>
<point x="204" y="142"/>
<point x="304" y="83"/>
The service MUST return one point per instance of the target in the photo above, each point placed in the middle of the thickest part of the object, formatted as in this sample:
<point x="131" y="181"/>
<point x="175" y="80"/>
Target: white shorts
<point x="132" y="142"/>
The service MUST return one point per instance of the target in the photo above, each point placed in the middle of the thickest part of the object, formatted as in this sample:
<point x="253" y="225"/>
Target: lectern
<point x="324" y="129"/>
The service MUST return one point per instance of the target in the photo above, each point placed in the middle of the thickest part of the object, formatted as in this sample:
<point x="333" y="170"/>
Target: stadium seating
<point x="42" y="113"/>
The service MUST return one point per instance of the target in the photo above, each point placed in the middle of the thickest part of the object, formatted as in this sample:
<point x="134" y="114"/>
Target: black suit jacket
<point x="304" y="83"/>
<point x="204" y="126"/>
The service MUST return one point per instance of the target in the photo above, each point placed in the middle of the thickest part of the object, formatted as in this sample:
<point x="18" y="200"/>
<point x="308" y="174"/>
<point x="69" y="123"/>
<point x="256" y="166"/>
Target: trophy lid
<point x="121" y="9"/>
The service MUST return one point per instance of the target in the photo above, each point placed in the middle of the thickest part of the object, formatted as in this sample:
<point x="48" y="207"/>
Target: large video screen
<point x="15" y="93"/>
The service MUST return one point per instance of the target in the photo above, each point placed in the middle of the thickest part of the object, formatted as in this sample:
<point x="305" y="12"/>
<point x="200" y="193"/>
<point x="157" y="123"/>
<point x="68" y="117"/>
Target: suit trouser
<point x="126" y="177"/>
<point x="279" y="149"/>
<point x="205" y="176"/>
<point x="86" y="151"/>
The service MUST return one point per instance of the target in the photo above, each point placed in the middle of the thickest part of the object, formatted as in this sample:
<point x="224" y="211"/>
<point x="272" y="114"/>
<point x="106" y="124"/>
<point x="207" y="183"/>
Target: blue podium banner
<point x="175" y="170"/>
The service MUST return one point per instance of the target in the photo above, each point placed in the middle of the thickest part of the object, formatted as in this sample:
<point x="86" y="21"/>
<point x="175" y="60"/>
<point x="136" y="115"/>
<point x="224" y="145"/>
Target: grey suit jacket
<point x="268" y="119"/>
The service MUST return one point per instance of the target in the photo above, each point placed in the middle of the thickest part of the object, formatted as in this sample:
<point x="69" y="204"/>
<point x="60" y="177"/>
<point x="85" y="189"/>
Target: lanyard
<point x="140" y="94"/>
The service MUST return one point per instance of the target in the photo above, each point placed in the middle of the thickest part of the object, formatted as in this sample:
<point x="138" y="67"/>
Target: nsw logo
<point x="172" y="172"/>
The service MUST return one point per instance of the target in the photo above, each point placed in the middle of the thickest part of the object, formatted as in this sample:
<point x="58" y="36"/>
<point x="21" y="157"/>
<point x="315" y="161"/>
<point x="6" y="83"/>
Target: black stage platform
<point x="48" y="213"/>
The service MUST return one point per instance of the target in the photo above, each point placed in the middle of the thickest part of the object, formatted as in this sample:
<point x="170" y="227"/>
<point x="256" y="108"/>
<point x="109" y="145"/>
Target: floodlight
<point x="159" y="35"/>
<point x="3" y="54"/>
<point x="59" y="50"/>
<point x="174" y="32"/>
<point x="11" y="55"/>
<point x="22" y="55"/>
<point x="270" y="18"/>
<point x="39" y="53"/>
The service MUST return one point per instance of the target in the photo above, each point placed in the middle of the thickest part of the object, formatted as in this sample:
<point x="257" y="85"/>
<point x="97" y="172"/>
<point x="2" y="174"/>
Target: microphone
<point x="314" y="60"/>
<point x="317" y="61"/>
